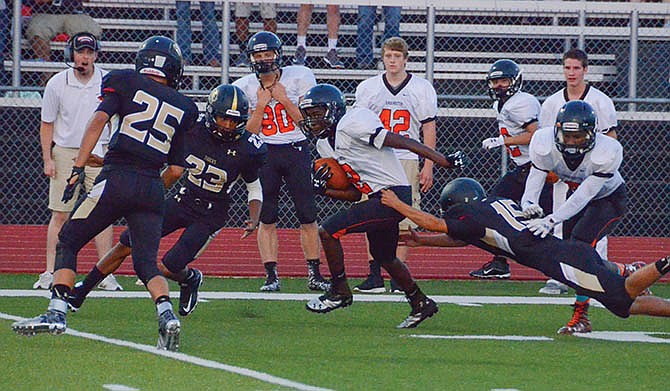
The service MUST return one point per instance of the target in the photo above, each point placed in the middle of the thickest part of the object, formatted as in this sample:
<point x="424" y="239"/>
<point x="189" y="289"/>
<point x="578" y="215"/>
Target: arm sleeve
<point x="534" y="184"/>
<point x="49" y="103"/>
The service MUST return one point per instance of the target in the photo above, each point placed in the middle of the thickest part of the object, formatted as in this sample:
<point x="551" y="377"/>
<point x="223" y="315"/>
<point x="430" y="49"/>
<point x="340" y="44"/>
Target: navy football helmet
<point x="264" y="41"/>
<point x="461" y="191"/>
<point x="227" y="102"/>
<point x="504" y="69"/>
<point x="576" y="119"/>
<point x="322" y="107"/>
<point x="160" y="56"/>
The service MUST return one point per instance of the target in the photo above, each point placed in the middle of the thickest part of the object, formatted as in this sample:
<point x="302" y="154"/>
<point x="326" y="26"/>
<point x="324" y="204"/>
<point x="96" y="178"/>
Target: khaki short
<point x="47" y="26"/>
<point x="64" y="158"/>
<point x="411" y="168"/>
<point x="268" y="11"/>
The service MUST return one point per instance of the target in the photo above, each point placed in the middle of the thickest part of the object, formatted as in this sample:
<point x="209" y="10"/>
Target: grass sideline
<point x="350" y="349"/>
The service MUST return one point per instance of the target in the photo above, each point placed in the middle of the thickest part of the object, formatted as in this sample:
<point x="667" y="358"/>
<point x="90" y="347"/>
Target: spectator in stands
<point x="333" y="24"/>
<point x="364" y="40"/>
<point x="50" y="18"/>
<point x="5" y="26"/>
<point x="70" y="98"/>
<point x="210" y="32"/>
<point x="406" y="105"/>
<point x="242" y="13"/>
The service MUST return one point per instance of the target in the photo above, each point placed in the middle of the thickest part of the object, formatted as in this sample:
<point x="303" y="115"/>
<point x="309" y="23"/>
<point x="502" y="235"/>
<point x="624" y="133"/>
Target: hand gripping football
<point x="339" y="179"/>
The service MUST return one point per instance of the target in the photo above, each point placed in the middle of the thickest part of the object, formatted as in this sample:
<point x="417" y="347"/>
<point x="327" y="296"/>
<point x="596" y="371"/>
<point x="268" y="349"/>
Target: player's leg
<point x="95" y="212"/>
<point x="297" y="174"/>
<point x="268" y="242"/>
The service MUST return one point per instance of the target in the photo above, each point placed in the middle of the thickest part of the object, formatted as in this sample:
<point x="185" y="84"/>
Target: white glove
<point x="532" y="211"/>
<point x="493" y="142"/>
<point x="542" y="227"/>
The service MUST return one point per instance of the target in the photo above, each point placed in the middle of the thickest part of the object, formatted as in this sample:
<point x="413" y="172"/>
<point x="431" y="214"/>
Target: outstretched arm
<point x="396" y="141"/>
<point x="422" y="219"/>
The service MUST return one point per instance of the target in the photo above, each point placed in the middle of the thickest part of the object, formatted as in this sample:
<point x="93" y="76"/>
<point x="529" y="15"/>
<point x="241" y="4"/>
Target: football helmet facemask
<point x="504" y="69"/>
<point x="461" y="191"/>
<point x="160" y="56"/>
<point x="322" y="107"/>
<point x="574" y="133"/>
<point x="264" y="41"/>
<point x="227" y="112"/>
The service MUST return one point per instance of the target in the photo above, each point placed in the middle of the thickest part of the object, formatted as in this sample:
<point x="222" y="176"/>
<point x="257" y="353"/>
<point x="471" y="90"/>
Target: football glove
<point x="542" y="227"/>
<point x="457" y="159"/>
<point x="493" y="142"/>
<point x="532" y="211"/>
<point x="320" y="179"/>
<point x="78" y="175"/>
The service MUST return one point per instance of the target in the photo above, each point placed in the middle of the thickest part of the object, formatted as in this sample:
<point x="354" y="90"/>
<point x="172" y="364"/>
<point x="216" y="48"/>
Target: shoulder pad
<point x="606" y="151"/>
<point x="117" y="81"/>
<point x="542" y="142"/>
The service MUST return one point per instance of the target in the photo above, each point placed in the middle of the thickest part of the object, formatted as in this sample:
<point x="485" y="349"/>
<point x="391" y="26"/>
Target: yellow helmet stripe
<point x="234" y="103"/>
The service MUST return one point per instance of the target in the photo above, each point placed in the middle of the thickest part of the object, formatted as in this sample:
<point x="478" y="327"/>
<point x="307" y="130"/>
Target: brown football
<point x="339" y="179"/>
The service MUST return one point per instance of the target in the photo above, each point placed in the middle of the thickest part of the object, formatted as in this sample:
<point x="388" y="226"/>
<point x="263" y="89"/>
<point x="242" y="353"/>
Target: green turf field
<point x="277" y="345"/>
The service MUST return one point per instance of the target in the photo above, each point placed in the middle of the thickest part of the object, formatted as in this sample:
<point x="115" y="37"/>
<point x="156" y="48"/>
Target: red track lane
<point x="22" y="250"/>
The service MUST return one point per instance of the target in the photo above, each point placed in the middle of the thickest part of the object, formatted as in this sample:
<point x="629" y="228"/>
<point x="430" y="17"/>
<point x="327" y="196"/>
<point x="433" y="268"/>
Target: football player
<point x="274" y="92"/>
<point x="364" y="148"/>
<point x="218" y="150"/>
<point x="517" y="116"/>
<point x="150" y="121"/>
<point x="498" y="225"/>
<point x="588" y="161"/>
<point x="575" y="68"/>
<point x="406" y="105"/>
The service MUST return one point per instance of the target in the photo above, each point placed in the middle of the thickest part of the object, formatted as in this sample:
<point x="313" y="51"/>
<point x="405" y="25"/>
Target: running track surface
<point x="22" y="248"/>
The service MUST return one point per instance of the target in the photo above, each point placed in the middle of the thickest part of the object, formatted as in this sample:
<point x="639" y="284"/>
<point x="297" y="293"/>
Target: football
<point x="339" y="179"/>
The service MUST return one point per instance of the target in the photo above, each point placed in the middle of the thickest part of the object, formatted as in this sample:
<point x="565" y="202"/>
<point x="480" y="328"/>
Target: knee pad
<point x="145" y="270"/>
<point x="66" y="257"/>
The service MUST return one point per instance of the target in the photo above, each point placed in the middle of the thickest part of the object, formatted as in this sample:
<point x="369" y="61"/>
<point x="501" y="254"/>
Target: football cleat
<point x="316" y="282"/>
<point x="110" y="284"/>
<point x="44" y="281"/>
<point x="554" y="287"/>
<point x="328" y="302"/>
<point x="169" y="328"/>
<point x="497" y="268"/>
<point x="76" y="297"/>
<point x="52" y="322"/>
<point x="395" y="288"/>
<point x="580" y="321"/>
<point x="373" y="284"/>
<point x="271" y="284"/>
<point x="420" y="312"/>
<point x="188" y="292"/>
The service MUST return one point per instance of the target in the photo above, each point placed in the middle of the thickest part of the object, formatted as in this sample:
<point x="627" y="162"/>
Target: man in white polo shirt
<point x="70" y="98"/>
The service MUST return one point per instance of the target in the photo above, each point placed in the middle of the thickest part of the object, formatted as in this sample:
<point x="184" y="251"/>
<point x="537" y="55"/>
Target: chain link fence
<point x="628" y="46"/>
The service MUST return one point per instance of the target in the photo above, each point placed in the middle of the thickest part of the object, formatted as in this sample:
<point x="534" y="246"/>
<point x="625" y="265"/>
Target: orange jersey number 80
<point x="274" y="118"/>
<point x="400" y="120"/>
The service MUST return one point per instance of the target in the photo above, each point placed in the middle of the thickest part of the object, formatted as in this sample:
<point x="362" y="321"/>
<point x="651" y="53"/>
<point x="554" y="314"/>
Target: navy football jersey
<point x="495" y="225"/>
<point x="148" y="120"/>
<point x="212" y="165"/>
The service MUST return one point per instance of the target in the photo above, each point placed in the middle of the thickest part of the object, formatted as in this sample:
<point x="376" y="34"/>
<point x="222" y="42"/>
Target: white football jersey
<point x="277" y="126"/>
<point x="402" y="110"/>
<point x="359" y="149"/>
<point x="601" y="103"/>
<point x="604" y="159"/>
<point x="519" y="110"/>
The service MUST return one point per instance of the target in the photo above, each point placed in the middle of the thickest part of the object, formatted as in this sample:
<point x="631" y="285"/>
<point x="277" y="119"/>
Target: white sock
<point x="302" y="41"/>
<point x="332" y="43"/>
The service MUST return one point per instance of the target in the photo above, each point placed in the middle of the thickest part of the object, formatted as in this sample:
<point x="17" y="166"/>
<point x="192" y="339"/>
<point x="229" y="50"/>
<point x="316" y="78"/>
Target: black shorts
<point x="291" y="163"/>
<point x="379" y="222"/>
<point x="598" y="218"/>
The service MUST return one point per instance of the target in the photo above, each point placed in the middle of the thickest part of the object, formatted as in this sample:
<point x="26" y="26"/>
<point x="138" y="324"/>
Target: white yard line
<point x="187" y="358"/>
